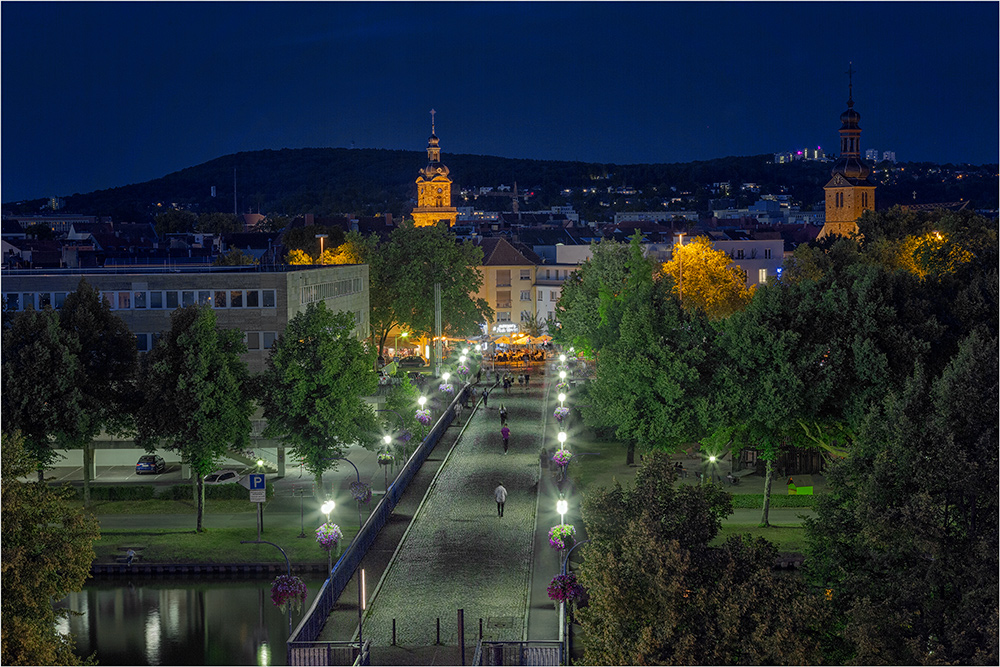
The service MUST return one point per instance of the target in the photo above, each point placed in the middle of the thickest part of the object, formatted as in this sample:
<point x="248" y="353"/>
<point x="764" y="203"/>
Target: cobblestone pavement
<point x="458" y="554"/>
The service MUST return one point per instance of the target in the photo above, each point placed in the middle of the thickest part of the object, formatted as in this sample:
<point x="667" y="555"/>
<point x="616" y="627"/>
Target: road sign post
<point x="257" y="485"/>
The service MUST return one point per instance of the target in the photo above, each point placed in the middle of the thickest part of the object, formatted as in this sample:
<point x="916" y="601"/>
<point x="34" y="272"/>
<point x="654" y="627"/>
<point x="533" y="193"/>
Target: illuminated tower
<point x="433" y="188"/>
<point x="849" y="193"/>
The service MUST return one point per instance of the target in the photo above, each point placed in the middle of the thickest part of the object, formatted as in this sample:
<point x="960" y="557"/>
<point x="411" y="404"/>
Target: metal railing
<point x="536" y="652"/>
<point x="313" y="621"/>
<point x="329" y="653"/>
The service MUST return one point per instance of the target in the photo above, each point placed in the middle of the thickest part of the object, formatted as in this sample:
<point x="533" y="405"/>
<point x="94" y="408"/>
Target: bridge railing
<point x="535" y="652"/>
<point x="313" y="621"/>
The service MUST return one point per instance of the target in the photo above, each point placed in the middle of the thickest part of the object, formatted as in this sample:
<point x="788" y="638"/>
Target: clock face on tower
<point x="440" y="190"/>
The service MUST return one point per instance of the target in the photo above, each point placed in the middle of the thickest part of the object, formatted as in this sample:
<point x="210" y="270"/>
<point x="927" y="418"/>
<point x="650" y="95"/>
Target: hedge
<point x="119" y="492"/>
<point x="175" y="492"/>
<point x="756" y="500"/>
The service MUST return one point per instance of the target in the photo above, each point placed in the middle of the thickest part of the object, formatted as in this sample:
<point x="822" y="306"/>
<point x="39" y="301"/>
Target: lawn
<point x="216" y="545"/>
<point x="788" y="539"/>
<point x="156" y="506"/>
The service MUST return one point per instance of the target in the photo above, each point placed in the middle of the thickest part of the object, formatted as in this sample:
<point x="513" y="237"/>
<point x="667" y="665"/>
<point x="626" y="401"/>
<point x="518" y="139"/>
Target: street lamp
<point x="445" y="377"/>
<point x="421" y="401"/>
<point x="562" y="358"/>
<point x="326" y="508"/>
<point x="680" y="270"/>
<point x="562" y="375"/>
<point x="561" y="397"/>
<point x="461" y="359"/>
<point x="562" y="507"/>
<point x="562" y="439"/>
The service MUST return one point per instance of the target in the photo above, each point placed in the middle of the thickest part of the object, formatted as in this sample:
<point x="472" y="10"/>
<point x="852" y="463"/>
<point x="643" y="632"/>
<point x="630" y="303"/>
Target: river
<point x="147" y="621"/>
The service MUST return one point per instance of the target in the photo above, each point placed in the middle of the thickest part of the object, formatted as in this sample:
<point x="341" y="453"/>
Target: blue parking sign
<point x="256" y="481"/>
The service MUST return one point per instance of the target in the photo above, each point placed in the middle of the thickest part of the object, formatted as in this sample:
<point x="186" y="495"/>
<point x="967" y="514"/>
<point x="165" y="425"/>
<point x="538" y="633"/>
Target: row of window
<point x="321" y="291"/>
<point x="838" y="199"/>
<point x="149" y="300"/>
<point x="254" y="340"/>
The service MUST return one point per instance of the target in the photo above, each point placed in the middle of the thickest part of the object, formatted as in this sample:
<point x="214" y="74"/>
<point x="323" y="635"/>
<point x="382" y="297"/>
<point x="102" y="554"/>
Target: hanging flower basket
<point x="561" y="414"/>
<point x="562" y="457"/>
<point x="361" y="491"/>
<point x="561" y="535"/>
<point x="328" y="535"/>
<point x="405" y="436"/>
<point x="562" y="386"/>
<point x="288" y="590"/>
<point x="424" y="417"/>
<point x="463" y="370"/>
<point x="384" y="458"/>
<point x="565" y="588"/>
<point x="562" y="367"/>
<point x="446" y="388"/>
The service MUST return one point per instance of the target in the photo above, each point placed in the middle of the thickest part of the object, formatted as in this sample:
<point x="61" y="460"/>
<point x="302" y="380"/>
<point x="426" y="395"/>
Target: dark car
<point x="150" y="463"/>
<point x="412" y="361"/>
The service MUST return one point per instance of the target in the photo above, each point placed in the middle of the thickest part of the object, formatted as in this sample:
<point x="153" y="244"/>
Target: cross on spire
<point x="850" y="84"/>
<point x="432" y="120"/>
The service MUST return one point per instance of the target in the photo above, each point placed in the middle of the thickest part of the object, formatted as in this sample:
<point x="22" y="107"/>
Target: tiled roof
<point x="499" y="252"/>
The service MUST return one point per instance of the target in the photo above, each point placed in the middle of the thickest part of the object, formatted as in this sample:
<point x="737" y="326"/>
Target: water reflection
<point x="181" y="622"/>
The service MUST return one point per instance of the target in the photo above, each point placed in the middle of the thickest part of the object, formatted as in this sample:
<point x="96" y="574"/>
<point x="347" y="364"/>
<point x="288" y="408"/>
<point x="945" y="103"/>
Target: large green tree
<point x="175" y="221"/>
<point x="906" y="540"/>
<point x="48" y="547"/>
<point x="660" y="595"/>
<point x="586" y="322"/>
<point x="313" y="389"/>
<point x="106" y="351"/>
<point x="195" y="397"/>
<point x="41" y="382"/>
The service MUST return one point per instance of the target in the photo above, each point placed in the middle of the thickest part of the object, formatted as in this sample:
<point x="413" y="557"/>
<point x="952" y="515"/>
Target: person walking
<point x="479" y="374"/>
<point x="505" y="434"/>
<point x="527" y="378"/>
<point x="503" y="415"/>
<point x="129" y="557"/>
<point x="486" y="398"/>
<point x="501" y="495"/>
<point x="520" y="380"/>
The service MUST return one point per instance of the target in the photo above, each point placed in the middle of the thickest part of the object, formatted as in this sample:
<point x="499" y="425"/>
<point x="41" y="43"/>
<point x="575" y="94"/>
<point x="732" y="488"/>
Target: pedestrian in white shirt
<point x="501" y="496"/>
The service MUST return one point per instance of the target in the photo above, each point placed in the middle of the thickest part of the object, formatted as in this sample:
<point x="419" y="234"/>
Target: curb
<point x="199" y="569"/>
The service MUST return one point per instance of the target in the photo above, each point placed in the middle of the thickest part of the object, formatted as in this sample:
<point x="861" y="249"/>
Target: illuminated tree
<point x="707" y="279"/>
<point x="298" y="257"/>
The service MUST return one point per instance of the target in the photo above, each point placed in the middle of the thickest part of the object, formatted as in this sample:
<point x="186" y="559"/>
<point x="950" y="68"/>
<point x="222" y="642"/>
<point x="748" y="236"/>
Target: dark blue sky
<point x="97" y="95"/>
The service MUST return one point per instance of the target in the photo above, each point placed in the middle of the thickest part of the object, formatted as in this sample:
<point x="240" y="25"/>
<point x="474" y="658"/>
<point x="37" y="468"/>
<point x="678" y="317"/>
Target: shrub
<point x="119" y="492"/>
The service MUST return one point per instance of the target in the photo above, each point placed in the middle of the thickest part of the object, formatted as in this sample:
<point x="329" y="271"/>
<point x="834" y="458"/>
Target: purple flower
<point x="361" y="491"/>
<point x="560" y="414"/>
<point x="562" y="457"/>
<point x="288" y="590"/>
<point x="565" y="588"/>
<point x="424" y="417"/>
<point x="558" y="535"/>
<point x="328" y="535"/>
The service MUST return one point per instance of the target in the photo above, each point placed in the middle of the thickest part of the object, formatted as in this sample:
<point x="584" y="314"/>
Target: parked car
<point x="222" y="477"/>
<point x="412" y="361"/>
<point x="150" y="463"/>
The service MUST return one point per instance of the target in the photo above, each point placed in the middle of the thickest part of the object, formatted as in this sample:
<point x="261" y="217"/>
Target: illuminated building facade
<point x="434" y="188"/>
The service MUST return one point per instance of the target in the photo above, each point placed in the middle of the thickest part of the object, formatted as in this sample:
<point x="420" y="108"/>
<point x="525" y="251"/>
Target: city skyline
<point x="112" y="94"/>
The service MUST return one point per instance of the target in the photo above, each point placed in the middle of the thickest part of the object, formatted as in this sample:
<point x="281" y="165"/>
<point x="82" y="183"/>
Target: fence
<point x="537" y="652"/>
<point x="329" y="653"/>
<point x="305" y="634"/>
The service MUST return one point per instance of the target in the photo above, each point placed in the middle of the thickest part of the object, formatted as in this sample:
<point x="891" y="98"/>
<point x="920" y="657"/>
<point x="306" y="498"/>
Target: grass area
<point x="216" y="545"/>
<point x="597" y="463"/>
<point x="756" y="500"/>
<point x="788" y="539"/>
<point x="157" y="506"/>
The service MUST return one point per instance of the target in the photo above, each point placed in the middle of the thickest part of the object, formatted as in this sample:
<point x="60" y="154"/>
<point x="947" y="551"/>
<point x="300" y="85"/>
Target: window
<point x="12" y="301"/>
<point x="268" y="296"/>
<point x="124" y="300"/>
<point x="156" y="300"/>
<point x="548" y="274"/>
<point x="526" y="316"/>
<point x="739" y="254"/>
<point x="269" y="337"/>
<point x="138" y="299"/>
<point x="525" y="274"/>
<point x="762" y="276"/>
<point x="172" y="300"/>
<point x="29" y="300"/>
<point x="142" y="342"/>
<point x="61" y="299"/>
<point x="236" y="299"/>
<point x="253" y="299"/>
<point x="220" y="298"/>
<point x="253" y="340"/>
<point x="539" y="295"/>
<point x="767" y="253"/>
<point x="503" y="278"/>
<point x="503" y="316"/>
<point x="552" y="295"/>
<point x="503" y="299"/>
<point x="204" y="298"/>
<point x="525" y="295"/>
<point x="187" y="298"/>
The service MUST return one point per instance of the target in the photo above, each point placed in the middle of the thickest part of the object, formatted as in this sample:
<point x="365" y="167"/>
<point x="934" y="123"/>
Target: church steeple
<point x="434" y="187"/>
<point x="849" y="192"/>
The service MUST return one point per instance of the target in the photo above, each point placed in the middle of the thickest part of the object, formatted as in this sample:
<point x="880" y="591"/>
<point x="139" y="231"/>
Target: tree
<point x="175" y="222"/>
<point x="660" y="595"/>
<point x="579" y="307"/>
<point x="906" y="546"/>
<point x="219" y="223"/>
<point x="235" y="257"/>
<point x="107" y="355"/>
<point x="304" y="238"/>
<point x="298" y="257"/>
<point x="41" y="382"/>
<point x="47" y="552"/>
<point x="313" y="389"/>
<point x="653" y="392"/>
<point x="195" y="397"/>
<point x="41" y="232"/>
<point x="706" y="279"/>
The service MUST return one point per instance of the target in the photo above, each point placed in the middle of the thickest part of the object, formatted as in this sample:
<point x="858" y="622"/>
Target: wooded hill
<point x="330" y="181"/>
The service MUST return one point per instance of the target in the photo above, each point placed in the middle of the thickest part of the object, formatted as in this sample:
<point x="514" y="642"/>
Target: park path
<point x="457" y="553"/>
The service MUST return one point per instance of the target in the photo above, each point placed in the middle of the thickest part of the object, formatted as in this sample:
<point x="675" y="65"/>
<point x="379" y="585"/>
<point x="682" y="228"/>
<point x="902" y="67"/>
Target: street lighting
<point x="562" y="375"/>
<point x="680" y="270"/>
<point x="326" y="508"/>
<point x="562" y="439"/>
<point x="561" y="397"/>
<point x="461" y="359"/>
<point x="321" y="237"/>
<point x="445" y="377"/>
<point x="421" y="401"/>
<point x="562" y="358"/>
<point x="562" y="507"/>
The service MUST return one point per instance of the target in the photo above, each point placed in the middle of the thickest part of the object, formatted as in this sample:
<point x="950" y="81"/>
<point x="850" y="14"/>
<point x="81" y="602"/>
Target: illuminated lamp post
<point x="680" y="270"/>
<point x="321" y="237"/>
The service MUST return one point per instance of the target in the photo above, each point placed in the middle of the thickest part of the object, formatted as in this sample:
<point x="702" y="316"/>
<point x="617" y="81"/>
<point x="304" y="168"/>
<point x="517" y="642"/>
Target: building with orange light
<point x="434" y="188"/>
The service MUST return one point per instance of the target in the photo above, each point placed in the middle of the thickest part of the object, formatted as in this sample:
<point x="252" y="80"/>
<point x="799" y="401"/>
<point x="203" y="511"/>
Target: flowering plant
<point x="384" y="458"/>
<point x="562" y="386"/>
<point x="463" y="370"/>
<point x="562" y="367"/>
<point x="424" y="417"/>
<point x="562" y="457"/>
<point x="287" y="589"/>
<point x="446" y="388"/>
<point x="565" y="588"/>
<point x="560" y="414"/>
<point x="328" y="535"/>
<point x="405" y="436"/>
<point x="559" y="534"/>
<point x="361" y="492"/>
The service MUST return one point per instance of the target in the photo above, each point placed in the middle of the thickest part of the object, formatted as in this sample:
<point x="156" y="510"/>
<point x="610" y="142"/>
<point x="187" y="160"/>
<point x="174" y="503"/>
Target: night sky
<point x="97" y="95"/>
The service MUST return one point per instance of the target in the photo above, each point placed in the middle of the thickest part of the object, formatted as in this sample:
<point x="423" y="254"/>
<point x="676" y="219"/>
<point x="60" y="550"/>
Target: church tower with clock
<point x="433" y="188"/>
<point x="850" y="192"/>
